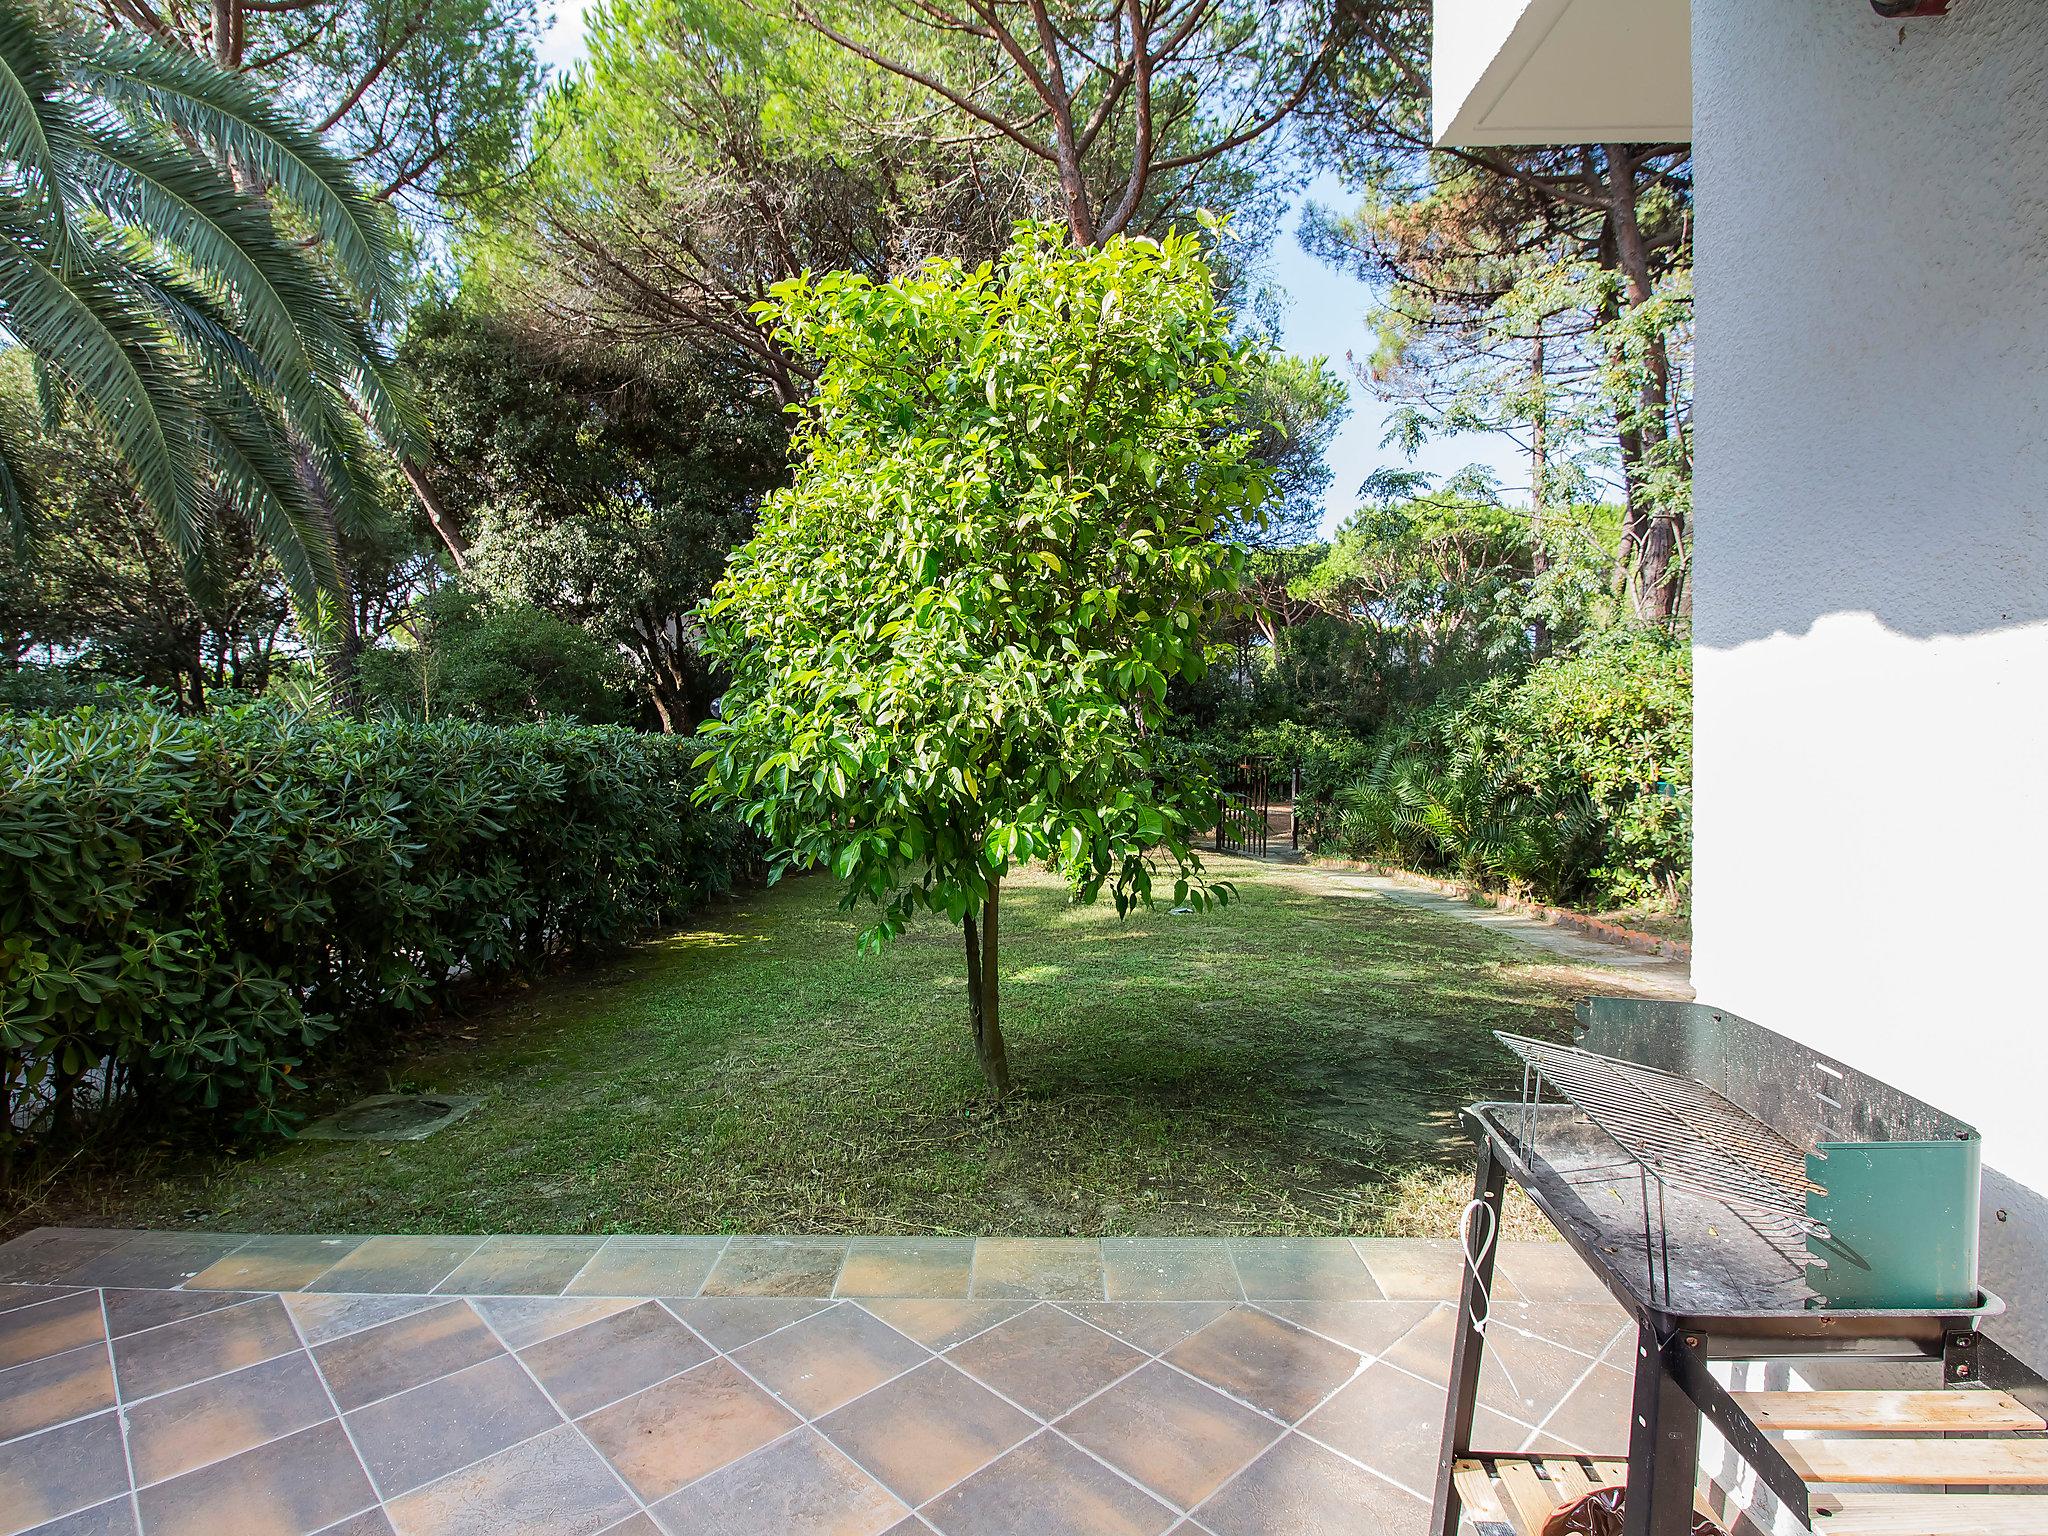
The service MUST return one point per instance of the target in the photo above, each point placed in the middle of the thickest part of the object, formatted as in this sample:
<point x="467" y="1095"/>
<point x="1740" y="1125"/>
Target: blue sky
<point x="1325" y="316"/>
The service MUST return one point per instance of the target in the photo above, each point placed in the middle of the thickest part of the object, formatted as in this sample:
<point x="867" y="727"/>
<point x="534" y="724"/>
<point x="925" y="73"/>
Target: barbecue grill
<point x="1740" y="1140"/>
<point x="1745" y="1198"/>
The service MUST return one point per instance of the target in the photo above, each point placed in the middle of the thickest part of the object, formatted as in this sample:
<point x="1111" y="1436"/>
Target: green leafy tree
<point x="704" y="152"/>
<point x="1137" y="111"/>
<point x="951" y="638"/>
<point x="603" y="487"/>
<point x="104" y="592"/>
<point x="1295" y="406"/>
<point x="222" y="342"/>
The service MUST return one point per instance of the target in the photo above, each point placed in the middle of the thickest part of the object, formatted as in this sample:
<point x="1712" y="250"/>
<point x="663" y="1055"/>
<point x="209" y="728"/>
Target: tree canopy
<point x="424" y="98"/>
<point x="951" y="637"/>
<point x="604" y="486"/>
<point x="1140" y="111"/>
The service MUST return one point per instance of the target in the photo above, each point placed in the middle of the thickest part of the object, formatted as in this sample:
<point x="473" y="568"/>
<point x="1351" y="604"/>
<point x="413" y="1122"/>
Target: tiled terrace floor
<point x="174" y="1383"/>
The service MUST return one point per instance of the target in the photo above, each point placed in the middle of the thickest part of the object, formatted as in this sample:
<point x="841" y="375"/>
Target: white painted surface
<point x="1560" y="71"/>
<point x="1871" y="775"/>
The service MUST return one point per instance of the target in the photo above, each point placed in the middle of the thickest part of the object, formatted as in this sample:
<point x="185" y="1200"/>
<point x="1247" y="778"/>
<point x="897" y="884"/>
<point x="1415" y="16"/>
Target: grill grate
<point x="1683" y="1134"/>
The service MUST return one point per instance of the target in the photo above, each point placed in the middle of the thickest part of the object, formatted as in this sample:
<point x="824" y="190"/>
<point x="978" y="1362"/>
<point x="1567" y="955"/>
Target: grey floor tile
<point x="59" y="1471"/>
<point x="304" y="1482"/>
<point x="210" y="1344"/>
<point x="521" y="1266"/>
<point x="397" y="1265"/>
<point x="777" y="1266"/>
<point x="419" y="1436"/>
<point x="554" y="1485"/>
<point x="799" y="1486"/>
<point x="223" y="1417"/>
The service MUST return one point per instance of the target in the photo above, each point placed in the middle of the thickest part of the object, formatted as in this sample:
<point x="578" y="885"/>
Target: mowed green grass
<point x="1292" y="1063"/>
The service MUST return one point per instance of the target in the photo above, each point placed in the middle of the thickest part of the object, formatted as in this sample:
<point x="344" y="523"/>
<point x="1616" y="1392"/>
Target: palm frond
<point x="225" y="358"/>
<point x="224" y="112"/>
<point x="35" y="124"/>
<point x="187" y="206"/>
<point x="387" y="403"/>
<point x="91" y="332"/>
<point x="292" y="400"/>
<point x="256" y="472"/>
<point x="14" y="504"/>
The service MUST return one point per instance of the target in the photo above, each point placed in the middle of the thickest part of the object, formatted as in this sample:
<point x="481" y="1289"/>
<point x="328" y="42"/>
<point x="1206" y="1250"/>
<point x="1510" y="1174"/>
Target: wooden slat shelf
<point x="1924" y="1463"/>
<point x="1517" y="1494"/>
<point x="1974" y="1410"/>
<point x="1856" y="1483"/>
<point x="1900" y="1453"/>
<point x="1930" y="1514"/>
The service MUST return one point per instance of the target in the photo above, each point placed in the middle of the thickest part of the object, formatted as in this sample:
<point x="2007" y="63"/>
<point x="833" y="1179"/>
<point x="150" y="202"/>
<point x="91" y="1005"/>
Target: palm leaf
<point x="94" y="335"/>
<point x="293" y="401"/>
<point x="14" y="506"/>
<point x="184" y="204"/>
<point x="257" y="474"/>
<point x="34" y="124"/>
<point x="190" y="95"/>
<point x="152" y="289"/>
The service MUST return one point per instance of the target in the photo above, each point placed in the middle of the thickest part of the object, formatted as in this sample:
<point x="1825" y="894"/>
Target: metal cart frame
<point x="1674" y="1390"/>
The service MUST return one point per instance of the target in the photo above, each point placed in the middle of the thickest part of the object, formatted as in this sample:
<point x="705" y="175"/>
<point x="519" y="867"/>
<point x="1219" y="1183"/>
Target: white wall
<point x="1872" y="561"/>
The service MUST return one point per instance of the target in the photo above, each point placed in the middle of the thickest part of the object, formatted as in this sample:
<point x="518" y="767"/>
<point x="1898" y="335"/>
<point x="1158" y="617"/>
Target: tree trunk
<point x="668" y="687"/>
<point x="983" y="1001"/>
<point x="340" y="659"/>
<point x="1539" y="476"/>
<point x="1657" y="534"/>
<point x="437" y="512"/>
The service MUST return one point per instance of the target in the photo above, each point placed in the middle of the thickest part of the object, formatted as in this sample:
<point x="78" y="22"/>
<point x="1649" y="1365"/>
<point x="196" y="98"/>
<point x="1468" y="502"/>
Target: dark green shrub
<point x="31" y="690"/>
<point x="500" y="661"/>
<point x="1572" y="782"/>
<point x="191" y="905"/>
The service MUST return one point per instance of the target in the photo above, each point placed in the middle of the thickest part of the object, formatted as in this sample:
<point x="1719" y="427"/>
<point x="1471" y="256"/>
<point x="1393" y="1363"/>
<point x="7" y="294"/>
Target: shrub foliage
<point x="192" y="905"/>
<point x="1572" y="782"/>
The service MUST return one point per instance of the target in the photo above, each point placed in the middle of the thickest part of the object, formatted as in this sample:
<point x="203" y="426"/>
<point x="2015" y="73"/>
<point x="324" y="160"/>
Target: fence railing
<point x="1243" y="819"/>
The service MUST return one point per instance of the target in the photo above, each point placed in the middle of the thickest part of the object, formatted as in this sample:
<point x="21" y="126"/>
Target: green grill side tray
<point x="1901" y="1220"/>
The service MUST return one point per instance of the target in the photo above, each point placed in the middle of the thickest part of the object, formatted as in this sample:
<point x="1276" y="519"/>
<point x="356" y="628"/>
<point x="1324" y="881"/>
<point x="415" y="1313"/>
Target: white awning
<point x="1562" y="71"/>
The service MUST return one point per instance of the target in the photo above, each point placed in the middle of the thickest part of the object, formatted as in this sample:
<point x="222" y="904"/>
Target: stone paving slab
<point x="418" y="1386"/>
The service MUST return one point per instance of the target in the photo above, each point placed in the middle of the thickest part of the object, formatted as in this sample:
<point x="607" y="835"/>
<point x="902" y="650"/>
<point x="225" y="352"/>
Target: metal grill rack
<point x="1683" y="1133"/>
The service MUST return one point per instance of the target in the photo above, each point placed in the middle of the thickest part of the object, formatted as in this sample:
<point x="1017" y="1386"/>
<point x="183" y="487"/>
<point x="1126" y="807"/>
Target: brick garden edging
<point x="1562" y="917"/>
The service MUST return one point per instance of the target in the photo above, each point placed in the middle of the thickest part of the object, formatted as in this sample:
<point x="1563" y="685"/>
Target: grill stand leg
<point x="1663" y="1446"/>
<point x="1469" y="1348"/>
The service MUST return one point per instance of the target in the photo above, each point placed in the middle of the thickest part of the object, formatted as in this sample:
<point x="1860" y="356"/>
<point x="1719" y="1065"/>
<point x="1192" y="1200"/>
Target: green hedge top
<point x="190" y="904"/>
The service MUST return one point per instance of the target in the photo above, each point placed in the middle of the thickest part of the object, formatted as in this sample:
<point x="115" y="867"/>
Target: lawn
<point x="1290" y="1064"/>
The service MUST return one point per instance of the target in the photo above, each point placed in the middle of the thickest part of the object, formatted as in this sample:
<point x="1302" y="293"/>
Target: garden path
<point x="1653" y="975"/>
<point x="179" y="1382"/>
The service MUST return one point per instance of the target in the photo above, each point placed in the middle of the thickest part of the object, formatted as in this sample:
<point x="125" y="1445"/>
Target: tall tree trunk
<point x="340" y="660"/>
<point x="668" y="677"/>
<point x="342" y="646"/>
<point x="1539" y="477"/>
<point x="983" y="989"/>
<point x="1657" y="538"/>
<point x="437" y="512"/>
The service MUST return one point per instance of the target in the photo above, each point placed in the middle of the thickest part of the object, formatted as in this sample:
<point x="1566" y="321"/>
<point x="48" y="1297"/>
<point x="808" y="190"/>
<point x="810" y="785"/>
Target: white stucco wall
<point x="1871" y="609"/>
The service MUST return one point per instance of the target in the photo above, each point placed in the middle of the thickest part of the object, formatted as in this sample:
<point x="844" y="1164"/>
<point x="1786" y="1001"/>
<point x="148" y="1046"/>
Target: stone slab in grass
<point x="392" y="1117"/>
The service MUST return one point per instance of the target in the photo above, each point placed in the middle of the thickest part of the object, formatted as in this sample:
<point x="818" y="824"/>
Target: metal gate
<point x="1246" y="799"/>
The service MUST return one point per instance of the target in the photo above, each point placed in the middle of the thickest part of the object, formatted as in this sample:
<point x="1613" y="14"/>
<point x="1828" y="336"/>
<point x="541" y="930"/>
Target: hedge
<point x="1571" y="783"/>
<point x="191" y="906"/>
